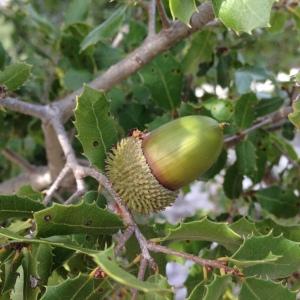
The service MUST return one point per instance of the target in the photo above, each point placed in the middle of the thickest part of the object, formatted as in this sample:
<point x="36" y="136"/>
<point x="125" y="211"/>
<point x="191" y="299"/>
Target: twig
<point x="151" y="18"/>
<point x="123" y="238"/>
<point x="69" y="154"/>
<point x="215" y="264"/>
<point x="30" y="109"/>
<point x="144" y="248"/>
<point x="55" y="155"/>
<point x="39" y="180"/>
<point x="141" y="275"/>
<point x="273" y="118"/>
<point x="18" y="160"/>
<point x="78" y="193"/>
<point x="163" y="15"/>
<point x="50" y="192"/>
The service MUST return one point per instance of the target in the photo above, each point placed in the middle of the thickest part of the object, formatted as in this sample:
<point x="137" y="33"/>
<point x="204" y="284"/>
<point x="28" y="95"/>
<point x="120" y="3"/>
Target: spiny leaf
<point x="267" y="106"/>
<point x="163" y="77"/>
<point x="216" y="288"/>
<point x="259" y="247"/>
<point x="291" y="232"/>
<point x="182" y="10"/>
<point x="244" y="227"/>
<point x="78" y="288"/>
<point x="244" y="15"/>
<point x="96" y="129"/>
<point x="10" y="267"/>
<point x="244" y="110"/>
<point x="233" y="182"/>
<point x="283" y="146"/>
<point x="29" y="192"/>
<point x="212" y="291"/>
<point x="14" y="76"/>
<point x="76" y="11"/>
<point x="294" y="117"/>
<point x="200" y="51"/>
<point x="81" y="218"/>
<point x="246" y="158"/>
<point x="66" y="244"/>
<point x="280" y="202"/>
<point x="270" y="258"/>
<point x="222" y="110"/>
<point x="31" y="288"/>
<point x="105" y="30"/>
<point x="254" y="288"/>
<point x="105" y="259"/>
<point x="12" y="206"/>
<point x="43" y="259"/>
<point x="206" y="230"/>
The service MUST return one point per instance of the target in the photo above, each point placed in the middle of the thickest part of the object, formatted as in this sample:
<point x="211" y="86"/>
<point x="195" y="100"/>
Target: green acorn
<point x="147" y="170"/>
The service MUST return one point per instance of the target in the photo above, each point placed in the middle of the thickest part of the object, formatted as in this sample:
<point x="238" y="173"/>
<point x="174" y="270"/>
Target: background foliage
<point x="232" y="70"/>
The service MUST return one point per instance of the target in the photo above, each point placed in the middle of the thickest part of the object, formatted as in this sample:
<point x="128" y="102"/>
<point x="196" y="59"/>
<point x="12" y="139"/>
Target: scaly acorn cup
<point x="147" y="170"/>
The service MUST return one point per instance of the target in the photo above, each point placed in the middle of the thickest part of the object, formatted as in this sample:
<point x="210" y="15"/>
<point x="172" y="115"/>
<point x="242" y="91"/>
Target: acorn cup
<point x="148" y="170"/>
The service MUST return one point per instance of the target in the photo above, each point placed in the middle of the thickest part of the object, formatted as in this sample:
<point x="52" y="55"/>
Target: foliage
<point x="50" y="49"/>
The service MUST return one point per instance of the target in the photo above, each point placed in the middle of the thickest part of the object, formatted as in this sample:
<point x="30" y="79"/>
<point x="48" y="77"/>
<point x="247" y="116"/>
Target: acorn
<point x="147" y="170"/>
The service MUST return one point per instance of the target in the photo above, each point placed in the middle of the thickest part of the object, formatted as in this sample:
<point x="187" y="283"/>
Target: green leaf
<point x="43" y="259"/>
<point x="182" y="10"/>
<point x="76" y="11"/>
<point x="294" y="117"/>
<point x="233" y="182"/>
<point x="163" y="77"/>
<point x="259" y="247"/>
<point x="278" y="20"/>
<point x="244" y="227"/>
<point x="245" y="76"/>
<point x="216" y="289"/>
<point x="221" y="110"/>
<point x="267" y="106"/>
<point x="19" y="226"/>
<point x="212" y="291"/>
<point x="246" y="158"/>
<point x="74" y="79"/>
<point x="66" y="244"/>
<point x="270" y="258"/>
<point x="14" y="76"/>
<point x="105" y="259"/>
<point x="201" y="50"/>
<point x="254" y="288"/>
<point x="105" y="30"/>
<point x="29" y="192"/>
<point x="12" y="206"/>
<point x="280" y="202"/>
<point x="96" y="129"/>
<point x="243" y="15"/>
<point x="283" y="146"/>
<point x="291" y="232"/>
<point x="9" y="271"/>
<point x="206" y="230"/>
<point x="78" y="288"/>
<point x="41" y="22"/>
<point x="244" y="110"/>
<point x="198" y="292"/>
<point x="216" y="167"/>
<point x="31" y="281"/>
<point x="161" y="282"/>
<point x="81" y="218"/>
<point x="18" y="289"/>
